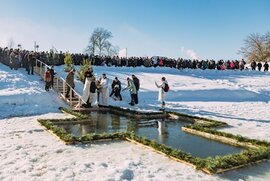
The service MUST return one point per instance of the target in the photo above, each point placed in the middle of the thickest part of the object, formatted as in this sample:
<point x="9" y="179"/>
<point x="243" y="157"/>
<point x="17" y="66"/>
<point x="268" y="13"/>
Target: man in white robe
<point x="86" y="89"/>
<point x="104" y="91"/>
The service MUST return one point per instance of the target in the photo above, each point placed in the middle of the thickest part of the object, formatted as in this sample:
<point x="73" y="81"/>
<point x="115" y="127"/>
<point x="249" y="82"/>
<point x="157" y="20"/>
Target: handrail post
<point x="79" y="104"/>
<point x="70" y="95"/>
<point x="40" y="68"/>
<point x="37" y="68"/>
<point x="64" y="88"/>
<point x="57" y="86"/>
<point x="36" y="65"/>
<point x="43" y="68"/>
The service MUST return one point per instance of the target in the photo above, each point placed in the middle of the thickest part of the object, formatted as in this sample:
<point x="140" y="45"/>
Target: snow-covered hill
<point x="27" y="152"/>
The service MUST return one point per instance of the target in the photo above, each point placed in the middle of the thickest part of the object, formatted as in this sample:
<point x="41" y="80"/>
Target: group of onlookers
<point x="15" y="58"/>
<point x="22" y="58"/>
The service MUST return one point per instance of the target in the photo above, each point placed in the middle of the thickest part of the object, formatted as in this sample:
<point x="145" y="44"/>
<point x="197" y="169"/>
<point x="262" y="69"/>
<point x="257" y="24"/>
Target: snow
<point x="28" y="152"/>
<point x="22" y="94"/>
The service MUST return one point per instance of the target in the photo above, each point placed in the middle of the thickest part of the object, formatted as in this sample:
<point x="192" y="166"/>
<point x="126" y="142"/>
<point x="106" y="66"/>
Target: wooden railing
<point x="60" y="86"/>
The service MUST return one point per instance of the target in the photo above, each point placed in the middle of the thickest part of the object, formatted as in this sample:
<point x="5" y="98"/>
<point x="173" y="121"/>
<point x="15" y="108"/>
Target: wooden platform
<point x="89" y="110"/>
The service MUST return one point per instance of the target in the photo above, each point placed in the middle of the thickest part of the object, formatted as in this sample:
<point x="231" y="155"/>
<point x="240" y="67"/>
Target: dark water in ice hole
<point x="175" y="137"/>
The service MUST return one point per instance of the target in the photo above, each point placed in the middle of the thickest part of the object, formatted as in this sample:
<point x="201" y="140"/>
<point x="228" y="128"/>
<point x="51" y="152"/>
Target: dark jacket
<point x="70" y="79"/>
<point x="52" y="73"/>
<point x="116" y="82"/>
<point x="136" y="83"/>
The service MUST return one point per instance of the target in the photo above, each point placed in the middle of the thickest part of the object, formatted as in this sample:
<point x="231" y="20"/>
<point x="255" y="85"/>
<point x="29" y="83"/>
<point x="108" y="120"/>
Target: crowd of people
<point x="97" y="91"/>
<point x="15" y="58"/>
<point x="259" y="65"/>
<point x="94" y="91"/>
<point x="22" y="58"/>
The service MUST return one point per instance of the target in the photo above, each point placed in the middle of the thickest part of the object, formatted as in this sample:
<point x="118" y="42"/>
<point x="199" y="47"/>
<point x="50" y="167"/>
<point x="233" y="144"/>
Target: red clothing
<point x="47" y="76"/>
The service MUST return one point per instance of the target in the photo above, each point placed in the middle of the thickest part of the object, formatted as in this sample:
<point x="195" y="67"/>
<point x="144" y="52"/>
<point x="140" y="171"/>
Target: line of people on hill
<point x="19" y="58"/>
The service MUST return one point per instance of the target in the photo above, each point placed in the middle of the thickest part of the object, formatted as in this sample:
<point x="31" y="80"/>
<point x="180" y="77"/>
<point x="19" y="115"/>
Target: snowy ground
<point x="28" y="152"/>
<point x="24" y="95"/>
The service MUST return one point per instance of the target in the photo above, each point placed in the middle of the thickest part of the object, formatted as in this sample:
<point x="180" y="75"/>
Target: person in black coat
<point x="253" y="65"/>
<point x="30" y="63"/>
<point x="116" y="89"/>
<point x="259" y="65"/>
<point x="266" y="66"/>
<point x="52" y="76"/>
<point x="137" y="85"/>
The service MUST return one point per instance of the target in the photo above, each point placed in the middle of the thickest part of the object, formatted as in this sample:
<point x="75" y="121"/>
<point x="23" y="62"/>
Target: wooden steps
<point x="58" y="86"/>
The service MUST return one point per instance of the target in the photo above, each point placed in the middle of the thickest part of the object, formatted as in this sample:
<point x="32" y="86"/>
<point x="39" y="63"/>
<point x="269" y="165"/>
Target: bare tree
<point x="111" y="50"/>
<point x="99" y="40"/>
<point x="255" y="48"/>
<point x="267" y="42"/>
<point x="91" y="48"/>
<point x="114" y="51"/>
